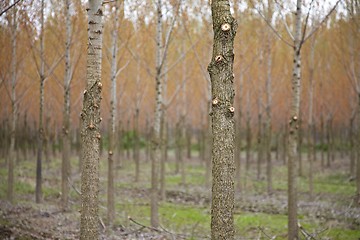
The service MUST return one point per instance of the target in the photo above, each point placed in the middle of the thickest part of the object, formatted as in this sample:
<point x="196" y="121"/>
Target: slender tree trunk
<point x="156" y="137"/>
<point x="38" y="188"/>
<point x="113" y="103"/>
<point x="10" y="187"/>
<point x="311" y="127"/>
<point x="89" y="224"/>
<point x="223" y="127"/>
<point x="268" y="123"/>
<point x="294" y="128"/>
<point x="65" y="168"/>
<point x="248" y="135"/>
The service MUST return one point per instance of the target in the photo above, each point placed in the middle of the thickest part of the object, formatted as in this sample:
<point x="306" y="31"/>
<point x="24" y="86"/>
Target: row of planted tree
<point x="171" y="46"/>
<point x="187" y="142"/>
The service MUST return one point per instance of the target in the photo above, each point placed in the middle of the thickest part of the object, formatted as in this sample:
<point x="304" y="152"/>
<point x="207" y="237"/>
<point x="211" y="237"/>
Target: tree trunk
<point x="89" y="225"/>
<point x="223" y="127"/>
<point x="156" y="137"/>
<point x="38" y="188"/>
<point x="113" y="103"/>
<point x="10" y="187"/>
<point x="311" y="127"/>
<point x="294" y="128"/>
<point x="268" y="123"/>
<point x="65" y="168"/>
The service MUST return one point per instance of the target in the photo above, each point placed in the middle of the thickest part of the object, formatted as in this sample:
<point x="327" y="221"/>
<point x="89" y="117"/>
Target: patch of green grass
<point x="250" y="222"/>
<point x="23" y="188"/>
<point x="50" y="192"/>
<point x="180" y="217"/>
<point x="336" y="233"/>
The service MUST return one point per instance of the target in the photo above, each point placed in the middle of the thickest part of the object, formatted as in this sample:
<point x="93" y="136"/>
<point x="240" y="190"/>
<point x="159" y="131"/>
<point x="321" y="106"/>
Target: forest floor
<point x="185" y="214"/>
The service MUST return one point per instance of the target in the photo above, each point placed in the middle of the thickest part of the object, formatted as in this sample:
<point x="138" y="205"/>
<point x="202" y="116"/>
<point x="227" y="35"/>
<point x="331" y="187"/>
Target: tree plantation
<point x="173" y="119"/>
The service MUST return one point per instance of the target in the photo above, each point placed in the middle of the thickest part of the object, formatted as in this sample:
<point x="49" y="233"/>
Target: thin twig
<point x="266" y="235"/>
<point x="8" y="8"/>
<point x="136" y="222"/>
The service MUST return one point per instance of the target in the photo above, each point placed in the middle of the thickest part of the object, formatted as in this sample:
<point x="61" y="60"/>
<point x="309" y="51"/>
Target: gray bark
<point x="156" y="138"/>
<point x="268" y="122"/>
<point x="311" y="127"/>
<point x="65" y="173"/>
<point x="89" y="224"/>
<point x="14" y="106"/>
<point x="38" y="187"/>
<point x="113" y="103"/>
<point x="223" y="126"/>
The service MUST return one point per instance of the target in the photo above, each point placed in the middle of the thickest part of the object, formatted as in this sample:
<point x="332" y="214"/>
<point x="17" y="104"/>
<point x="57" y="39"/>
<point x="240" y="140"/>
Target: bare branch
<point x="320" y="24"/>
<point x="122" y="68"/>
<point x="168" y="36"/>
<point x="306" y="23"/>
<point x="9" y="7"/>
<point x="271" y="27"/>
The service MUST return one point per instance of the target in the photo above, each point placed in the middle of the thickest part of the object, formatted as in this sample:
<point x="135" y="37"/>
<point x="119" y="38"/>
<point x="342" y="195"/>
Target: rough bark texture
<point x="223" y="127"/>
<point x="89" y="226"/>
<point x="294" y="129"/>
<point x="65" y="168"/>
<point x="10" y="187"/>
<point x="38" y="187"/>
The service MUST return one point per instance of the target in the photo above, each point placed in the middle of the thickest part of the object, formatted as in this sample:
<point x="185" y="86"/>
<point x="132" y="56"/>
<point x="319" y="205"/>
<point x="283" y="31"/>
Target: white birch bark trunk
<point x="113" y="103"/>
<point x="294" y="128"/>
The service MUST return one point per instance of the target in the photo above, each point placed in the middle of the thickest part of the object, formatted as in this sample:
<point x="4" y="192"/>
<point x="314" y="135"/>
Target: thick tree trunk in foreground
<point x="294" y="129"/>
<point x="223" y="126"/>
<point x="38" y="188"/>
<point x="89" y="225"/>
<point x="65" y="168"/>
